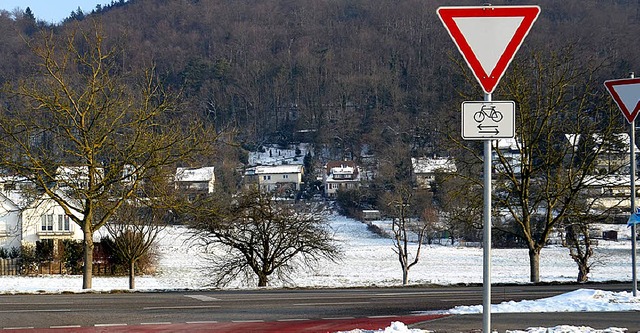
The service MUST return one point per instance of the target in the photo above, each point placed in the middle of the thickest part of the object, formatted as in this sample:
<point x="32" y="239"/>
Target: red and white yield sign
<point x="488" y="37"/>
<point x="626" y="93"/>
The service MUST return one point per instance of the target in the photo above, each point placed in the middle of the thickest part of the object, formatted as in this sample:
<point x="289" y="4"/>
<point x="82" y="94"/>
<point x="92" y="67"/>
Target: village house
<point x="614" y="157"/>
<point x="72" y="178"/>
<point x="506" y="155"/>
<point x="609" y="191"/>
<point x="340" y="176"/>
<point x="45" y="219"/>
<point x="10" y="229"/>
<point x="425" y="170"/>
<point x="275" y="178"/>
<point x="195" y="180"/>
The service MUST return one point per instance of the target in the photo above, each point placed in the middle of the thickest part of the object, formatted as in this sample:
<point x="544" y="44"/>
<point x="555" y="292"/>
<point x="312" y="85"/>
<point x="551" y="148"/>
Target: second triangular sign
<point x="626" y="94"/>
<point x="488" y="37"/>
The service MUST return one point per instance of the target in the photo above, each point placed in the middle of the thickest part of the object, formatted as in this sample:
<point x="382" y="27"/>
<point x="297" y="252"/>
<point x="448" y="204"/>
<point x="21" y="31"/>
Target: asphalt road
<point x="202" y="307"/>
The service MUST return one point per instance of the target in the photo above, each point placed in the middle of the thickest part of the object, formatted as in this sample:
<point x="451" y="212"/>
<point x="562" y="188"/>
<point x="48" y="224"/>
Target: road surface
<point x="211" y="308"/>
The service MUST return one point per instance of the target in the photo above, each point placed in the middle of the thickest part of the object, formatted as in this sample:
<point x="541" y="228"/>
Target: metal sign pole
<point x="632" y="135"/>
<point x="486" y="271"/>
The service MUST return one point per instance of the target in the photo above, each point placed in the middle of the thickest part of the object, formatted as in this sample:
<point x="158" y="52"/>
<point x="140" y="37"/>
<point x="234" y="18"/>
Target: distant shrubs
<point x="67" y="258"/>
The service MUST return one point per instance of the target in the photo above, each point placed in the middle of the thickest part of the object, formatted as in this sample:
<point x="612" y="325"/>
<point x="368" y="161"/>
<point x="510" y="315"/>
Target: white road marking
<point x="66" y="326"/>
<point x="42" y="310"/>
<point x="247" y="321"/>
<point x="203" y="298"/>
<point x="203" y="322"/>
<point x="334" y="303"/>
<point x="338" y="318"/>
<point x="293" y="319"/>
<point x="109" y="325"/>
<point x="381" y="317"/>
<point x="157" y="323"/>
<point x="19" y="328"/>
<point x="181" y="307"/>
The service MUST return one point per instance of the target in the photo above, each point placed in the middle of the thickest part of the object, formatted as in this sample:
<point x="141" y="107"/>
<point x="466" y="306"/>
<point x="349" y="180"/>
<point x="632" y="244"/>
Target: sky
<point x="52" y="11"/>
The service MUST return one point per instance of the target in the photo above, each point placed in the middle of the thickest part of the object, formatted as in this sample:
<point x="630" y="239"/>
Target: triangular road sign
<point x="488" y="37"/>
<point x="626" y="93"/>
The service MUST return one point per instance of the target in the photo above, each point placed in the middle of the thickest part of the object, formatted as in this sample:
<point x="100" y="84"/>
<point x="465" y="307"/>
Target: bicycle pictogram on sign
<point x="487" y="111"/>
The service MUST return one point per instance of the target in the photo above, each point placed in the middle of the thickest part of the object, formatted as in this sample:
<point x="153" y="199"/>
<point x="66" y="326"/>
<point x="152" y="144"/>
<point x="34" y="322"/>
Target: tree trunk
<point x="534" y="265"/>
<point x="262" y="280"/>
<point x="405" y="276"/>
<point x="132" y="274"/>
<point x="87" y="270"/>
<point x="583" y="272"/>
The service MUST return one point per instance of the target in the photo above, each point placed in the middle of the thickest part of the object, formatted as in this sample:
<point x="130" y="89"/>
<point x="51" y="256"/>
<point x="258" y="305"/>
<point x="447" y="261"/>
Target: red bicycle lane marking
<point x="295" y="326"/>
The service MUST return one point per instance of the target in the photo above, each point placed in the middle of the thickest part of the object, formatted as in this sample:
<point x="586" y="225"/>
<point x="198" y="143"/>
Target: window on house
<point x="47" y="222"/>
<point x="285" y="176"/>
<point x="63" y="222"/>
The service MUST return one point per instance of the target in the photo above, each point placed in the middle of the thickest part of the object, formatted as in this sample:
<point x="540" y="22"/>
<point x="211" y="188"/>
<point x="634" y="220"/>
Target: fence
<point x="9" y="266"/>
<point x="15" y="267"/>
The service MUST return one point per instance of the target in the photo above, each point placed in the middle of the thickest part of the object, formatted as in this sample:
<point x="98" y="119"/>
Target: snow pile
<point x="582" y="300"/>
<point x="570" y="329"/>
<point x="587" y="300"/>
<point x="396" y="327"/>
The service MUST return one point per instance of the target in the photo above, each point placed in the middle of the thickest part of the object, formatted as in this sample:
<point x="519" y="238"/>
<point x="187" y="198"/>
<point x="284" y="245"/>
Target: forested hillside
<point x="352" y="72"/>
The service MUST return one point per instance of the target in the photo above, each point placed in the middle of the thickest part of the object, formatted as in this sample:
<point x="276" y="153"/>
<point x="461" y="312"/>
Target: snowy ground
<point x="181" y="267"/>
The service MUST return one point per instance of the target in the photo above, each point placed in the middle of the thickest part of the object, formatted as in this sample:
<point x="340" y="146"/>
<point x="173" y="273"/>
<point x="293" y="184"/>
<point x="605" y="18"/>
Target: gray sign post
<point x="626" y="94"/>
<point x="488" y="38"/>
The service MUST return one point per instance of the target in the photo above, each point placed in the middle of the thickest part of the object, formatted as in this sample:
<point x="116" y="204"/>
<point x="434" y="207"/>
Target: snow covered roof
<point x="609" y="180"/>
<point x="71" y="173"/>
<point x="203" y="174"/>
<point x="508" y="143"/>
<point x="619" y="145"/>
<point x="431" y="165"/>
<point x="273" y="169"/>
<point x="341" y="168"/>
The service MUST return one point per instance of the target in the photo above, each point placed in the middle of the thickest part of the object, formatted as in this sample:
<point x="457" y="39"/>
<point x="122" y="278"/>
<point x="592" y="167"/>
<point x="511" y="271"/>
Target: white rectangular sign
<point x="488" y="120"/>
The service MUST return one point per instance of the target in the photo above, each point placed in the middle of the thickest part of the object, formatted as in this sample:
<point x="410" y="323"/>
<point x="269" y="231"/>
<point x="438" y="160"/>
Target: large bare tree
<point x="260" y="237"/>
<point x="541" y="179"/>
<point x="85" y="125"/>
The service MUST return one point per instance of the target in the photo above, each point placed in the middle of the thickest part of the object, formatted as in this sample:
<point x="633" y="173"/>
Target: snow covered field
<point x="369" y="260"/>
<point x="182" y="267"/>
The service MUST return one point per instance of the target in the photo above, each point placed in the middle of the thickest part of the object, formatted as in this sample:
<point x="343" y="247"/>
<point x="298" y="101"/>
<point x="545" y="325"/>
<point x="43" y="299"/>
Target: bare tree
<point x="577" y="233"/>
<point x="577" y="239"/>
<point x="409" y="226"/>
<point x="556" y="96"/>
<point x="261" y="237"/>
<point x="134" y="231"/>
<point x="100" y="133"/>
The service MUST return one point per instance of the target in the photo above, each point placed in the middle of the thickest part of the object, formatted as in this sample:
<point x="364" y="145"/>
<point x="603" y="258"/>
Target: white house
<point x="340" y="175"/>
<point x="195" y="179"/>
<point x="609" y="191"/>
<point x="276" y="177"/>
<point x="10" y="223"/>
<point x="72" y="177"/>
<point x="46" y="219"/>
<point x="425" y="169"/>
<point x="509" y="151"/>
